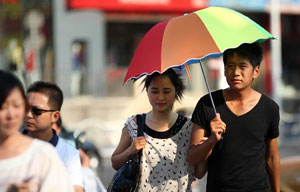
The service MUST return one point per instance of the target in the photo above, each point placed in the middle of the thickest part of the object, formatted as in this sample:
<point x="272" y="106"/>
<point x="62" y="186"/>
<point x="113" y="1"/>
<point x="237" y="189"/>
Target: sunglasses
<point x="37" y="111"/>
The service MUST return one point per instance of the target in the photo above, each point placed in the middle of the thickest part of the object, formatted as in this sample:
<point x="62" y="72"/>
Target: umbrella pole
<point x="208" y="89"/>
<point x="212" y="101"/>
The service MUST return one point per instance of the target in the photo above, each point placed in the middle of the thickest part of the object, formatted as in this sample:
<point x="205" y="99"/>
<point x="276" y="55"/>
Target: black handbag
<point x="126" y="178"/>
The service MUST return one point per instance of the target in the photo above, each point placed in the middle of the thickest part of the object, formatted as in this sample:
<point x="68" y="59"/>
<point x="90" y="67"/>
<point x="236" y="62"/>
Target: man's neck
<point x="45" y="135"/>
<point x="239" y="95"/>
<point x="241" y="102"/>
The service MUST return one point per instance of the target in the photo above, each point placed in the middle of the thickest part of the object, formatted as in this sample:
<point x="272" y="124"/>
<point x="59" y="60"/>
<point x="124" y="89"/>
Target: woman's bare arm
<point x="126" y="149"/>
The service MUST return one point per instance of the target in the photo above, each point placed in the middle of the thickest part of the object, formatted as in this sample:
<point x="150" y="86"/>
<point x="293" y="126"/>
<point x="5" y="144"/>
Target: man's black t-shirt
<point x="239" y="164"/>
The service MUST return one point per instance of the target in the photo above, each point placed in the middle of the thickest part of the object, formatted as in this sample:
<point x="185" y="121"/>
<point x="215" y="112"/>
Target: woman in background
<point x="25" y="164"/>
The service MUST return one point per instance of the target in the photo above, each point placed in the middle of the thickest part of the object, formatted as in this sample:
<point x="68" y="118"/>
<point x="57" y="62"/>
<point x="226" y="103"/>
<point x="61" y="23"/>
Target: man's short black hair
<point x="251" y="51"/>
<point x="51" y="90"/>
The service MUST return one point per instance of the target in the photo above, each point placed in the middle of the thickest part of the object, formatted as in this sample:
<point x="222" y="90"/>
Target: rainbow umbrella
<point x="191" y="38"/>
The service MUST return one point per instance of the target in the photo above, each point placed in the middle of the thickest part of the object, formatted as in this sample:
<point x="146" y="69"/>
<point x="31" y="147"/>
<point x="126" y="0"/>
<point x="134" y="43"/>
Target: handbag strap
<point x="140" y="132"/>
<point x="140" y="124"/>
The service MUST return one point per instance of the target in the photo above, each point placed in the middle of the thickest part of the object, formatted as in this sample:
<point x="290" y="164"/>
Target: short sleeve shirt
<point x="69" y="155"/>
<point x="239" y="163"/>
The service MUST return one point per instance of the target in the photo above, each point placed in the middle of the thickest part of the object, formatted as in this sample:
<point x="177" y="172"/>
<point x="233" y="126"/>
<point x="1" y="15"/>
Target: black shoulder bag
<point x="126" y="178"/>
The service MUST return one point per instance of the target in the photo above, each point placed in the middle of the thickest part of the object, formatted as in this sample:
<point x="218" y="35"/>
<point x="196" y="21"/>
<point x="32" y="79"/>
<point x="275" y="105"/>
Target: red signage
<point x="10" y="1"/>
<point x="139" y="5"/>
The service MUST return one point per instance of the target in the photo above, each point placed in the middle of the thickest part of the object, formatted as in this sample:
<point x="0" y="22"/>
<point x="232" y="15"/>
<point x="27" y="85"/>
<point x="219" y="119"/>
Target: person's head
<point x="163" y="89"/>
<point x="242" y="65"/>
<point x="13" y="104"/>
<point x="250" y="51"/>
<point x="45" y="100"/>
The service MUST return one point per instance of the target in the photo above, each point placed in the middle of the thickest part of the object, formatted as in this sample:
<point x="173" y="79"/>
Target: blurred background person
<point x="91" y="181"/>
<point x="77" y="69"/>
<point x="25" y="164"/>
<point x="63" y="133"/>
<point x="45" y="100"/>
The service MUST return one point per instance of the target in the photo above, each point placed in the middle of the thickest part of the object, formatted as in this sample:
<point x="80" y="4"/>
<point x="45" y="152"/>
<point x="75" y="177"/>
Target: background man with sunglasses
<point x="45" y="101"/>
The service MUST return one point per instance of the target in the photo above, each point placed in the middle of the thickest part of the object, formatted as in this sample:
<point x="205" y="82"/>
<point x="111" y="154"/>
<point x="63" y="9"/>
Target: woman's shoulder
<point x="37" y="151"/>
<point x="43" y="147"/>
<point x="131" y="121"/>
<point x="185" y="120"/>
<point x="188" y="124"/>
<point x="184" y="123"/>
<point x="42" y="150"/>
<point x="131" y="125"/>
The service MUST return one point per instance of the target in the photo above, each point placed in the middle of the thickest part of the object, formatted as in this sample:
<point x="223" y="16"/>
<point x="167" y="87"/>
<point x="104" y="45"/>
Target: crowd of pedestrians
<point x="37" y="159"/>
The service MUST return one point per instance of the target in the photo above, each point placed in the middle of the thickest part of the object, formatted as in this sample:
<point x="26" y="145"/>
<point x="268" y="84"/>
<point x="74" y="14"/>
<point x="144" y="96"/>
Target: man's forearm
<point x="200" y="169"/>
<point x="200" y="152"/>
<point x="274" y="173"/>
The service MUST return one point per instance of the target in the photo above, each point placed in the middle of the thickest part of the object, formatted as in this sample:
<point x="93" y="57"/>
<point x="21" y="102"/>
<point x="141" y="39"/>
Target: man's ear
<point x="256" y="71"/>
<point x="55" y="116"/>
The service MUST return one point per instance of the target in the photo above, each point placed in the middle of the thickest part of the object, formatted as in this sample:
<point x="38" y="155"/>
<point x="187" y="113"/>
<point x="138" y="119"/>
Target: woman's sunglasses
<point x="37" y="111"/>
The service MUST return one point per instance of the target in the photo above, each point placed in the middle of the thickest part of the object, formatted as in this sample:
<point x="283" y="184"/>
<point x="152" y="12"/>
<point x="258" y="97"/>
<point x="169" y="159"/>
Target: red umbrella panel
<point x="160" y="39"/>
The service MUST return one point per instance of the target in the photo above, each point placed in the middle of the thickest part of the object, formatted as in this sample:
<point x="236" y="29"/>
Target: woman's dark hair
<point x="174" y="78"/>
<point x="8" y="82"/>
<point x="252" y="51"/>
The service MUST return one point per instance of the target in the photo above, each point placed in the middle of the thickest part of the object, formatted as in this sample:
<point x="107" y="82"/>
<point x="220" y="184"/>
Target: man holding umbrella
<point x="241" y="147"/>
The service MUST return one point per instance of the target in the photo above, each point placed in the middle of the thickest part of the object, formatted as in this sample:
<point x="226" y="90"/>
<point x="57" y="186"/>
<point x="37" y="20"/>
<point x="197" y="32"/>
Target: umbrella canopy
<point x="194" y="36"/>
